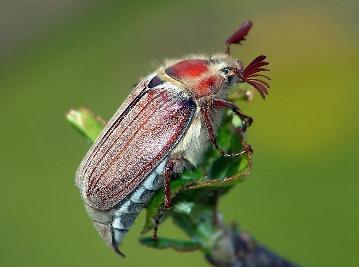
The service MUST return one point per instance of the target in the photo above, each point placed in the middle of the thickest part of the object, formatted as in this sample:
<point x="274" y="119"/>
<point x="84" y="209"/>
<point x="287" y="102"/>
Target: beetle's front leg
<point x="207" y="120"/>
<point x="247" y="120"/>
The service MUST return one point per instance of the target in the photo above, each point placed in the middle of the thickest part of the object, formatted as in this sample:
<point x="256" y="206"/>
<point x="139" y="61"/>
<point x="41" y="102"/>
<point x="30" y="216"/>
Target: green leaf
<point x="197" y="219"/>
<point x="162" y="243"/>
<point x="86" y="122"/>
<point x="195" y="192"/>
<point x="214" y="173"/>
<point x="157" y="202"/>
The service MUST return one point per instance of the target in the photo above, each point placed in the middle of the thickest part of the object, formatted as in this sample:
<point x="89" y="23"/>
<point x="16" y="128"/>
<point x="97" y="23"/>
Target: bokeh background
<point x="302" y="196"/>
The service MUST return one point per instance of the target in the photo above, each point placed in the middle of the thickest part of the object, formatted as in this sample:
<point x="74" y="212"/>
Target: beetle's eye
<point x="225" y="70"/>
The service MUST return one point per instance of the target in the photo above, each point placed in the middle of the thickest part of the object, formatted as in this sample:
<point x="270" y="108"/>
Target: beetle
<point x="164" y="126"/>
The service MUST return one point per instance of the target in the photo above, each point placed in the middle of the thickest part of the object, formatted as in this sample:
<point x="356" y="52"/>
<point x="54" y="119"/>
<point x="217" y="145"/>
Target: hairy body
<point x="164" y="126"/>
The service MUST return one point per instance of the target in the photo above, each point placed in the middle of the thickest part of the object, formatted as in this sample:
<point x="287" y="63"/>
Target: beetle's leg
<point x="247" y="121"/>
<point x="157" y="223"/>
<point x="207" y="121"/>
<point x="167" y="188"/>
<point x="167" y="180"/>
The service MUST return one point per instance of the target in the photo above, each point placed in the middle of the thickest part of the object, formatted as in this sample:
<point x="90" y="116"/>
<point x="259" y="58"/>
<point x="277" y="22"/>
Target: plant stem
<point x="233" y="248"/>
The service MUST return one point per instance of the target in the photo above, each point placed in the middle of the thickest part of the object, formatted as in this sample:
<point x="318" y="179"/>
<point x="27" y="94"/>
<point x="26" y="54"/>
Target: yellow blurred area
<point x="302" y="197"/>
<point x="314" y="58"/>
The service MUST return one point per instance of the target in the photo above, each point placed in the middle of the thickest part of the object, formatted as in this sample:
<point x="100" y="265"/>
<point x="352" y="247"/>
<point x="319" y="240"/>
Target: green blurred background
<point x="302" y="196"/>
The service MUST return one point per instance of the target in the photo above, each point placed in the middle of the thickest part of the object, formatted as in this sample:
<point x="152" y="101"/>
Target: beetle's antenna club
<point x="238" y="36"/>
<point x="251" y="75"/>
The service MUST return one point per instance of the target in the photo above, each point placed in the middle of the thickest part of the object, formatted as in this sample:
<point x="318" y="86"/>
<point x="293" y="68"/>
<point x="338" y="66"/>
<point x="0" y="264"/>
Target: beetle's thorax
<point x="201" y="76"/>
<point x="194" y="143"/>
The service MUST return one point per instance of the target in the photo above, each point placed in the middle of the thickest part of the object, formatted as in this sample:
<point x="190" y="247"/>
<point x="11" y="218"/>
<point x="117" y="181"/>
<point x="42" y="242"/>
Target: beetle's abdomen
<point x="125" y="214"/>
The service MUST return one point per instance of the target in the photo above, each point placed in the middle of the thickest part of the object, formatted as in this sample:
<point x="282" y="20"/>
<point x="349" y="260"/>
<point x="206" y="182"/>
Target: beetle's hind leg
<point x="167" y="173"/>
<point x="166" y="183"/>
<point x="157" y="223"/>
<point x="207" y="120"/>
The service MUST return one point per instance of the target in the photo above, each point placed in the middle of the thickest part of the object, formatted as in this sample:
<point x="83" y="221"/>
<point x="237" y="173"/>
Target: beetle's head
<point x="206" y="77"/>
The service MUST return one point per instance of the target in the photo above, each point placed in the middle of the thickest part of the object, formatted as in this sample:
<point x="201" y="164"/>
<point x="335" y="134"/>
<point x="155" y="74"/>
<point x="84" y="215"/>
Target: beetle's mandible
<point x="162" y="127"/>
